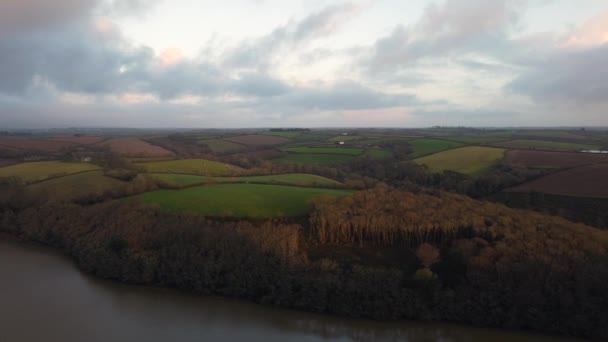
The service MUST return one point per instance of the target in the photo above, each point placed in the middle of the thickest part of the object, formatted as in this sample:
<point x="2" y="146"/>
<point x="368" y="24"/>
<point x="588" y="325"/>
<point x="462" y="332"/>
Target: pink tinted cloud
<point x="171" y="56"/>
<point x="592" y="33"/>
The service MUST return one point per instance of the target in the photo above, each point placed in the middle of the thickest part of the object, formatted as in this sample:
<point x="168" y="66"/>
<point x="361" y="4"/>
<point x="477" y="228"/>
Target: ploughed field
<point x="135" y="147"/>
<point x="552" y="160"/>
<point x="524" y="144"/>
<point x="240" y="200"/>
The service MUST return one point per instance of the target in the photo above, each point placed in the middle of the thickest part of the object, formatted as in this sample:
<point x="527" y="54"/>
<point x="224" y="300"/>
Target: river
<point x="44" y="297"/>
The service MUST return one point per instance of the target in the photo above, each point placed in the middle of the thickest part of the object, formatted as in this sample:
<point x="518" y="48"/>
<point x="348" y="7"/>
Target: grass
<point x="316" y="159"/>
<point x="201" y="167"/>
<point x="74" y="186"/>
<point x="525" y="144"/>
<point x="222" y="146"/>
<point x="239" y="200"/>
<point x="469" y="160"/>
<point x="324" y="150"/>
<point x="283" y="134"/>
<point x="423" y="147"/>
<point x="39" y="171"/>
<point x="298" y="179"/>
<point x="472" y="140"/>
<point x="346" y="138"/>
<point x="378" y="153"/>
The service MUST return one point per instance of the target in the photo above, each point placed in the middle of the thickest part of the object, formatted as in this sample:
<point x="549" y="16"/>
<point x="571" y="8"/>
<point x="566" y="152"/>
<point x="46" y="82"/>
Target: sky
<point x="303" y="63"/>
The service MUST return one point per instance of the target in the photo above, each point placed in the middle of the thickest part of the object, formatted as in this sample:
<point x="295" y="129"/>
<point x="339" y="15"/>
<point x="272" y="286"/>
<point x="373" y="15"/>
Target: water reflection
<point x="45" y="298"/>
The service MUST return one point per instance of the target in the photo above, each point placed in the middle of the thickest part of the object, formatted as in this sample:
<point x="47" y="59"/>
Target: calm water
<point x="43" y="297"/>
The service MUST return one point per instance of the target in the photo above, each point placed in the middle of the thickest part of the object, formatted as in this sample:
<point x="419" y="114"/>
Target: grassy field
<point x="74" y="186"/>
<point x="316" y="159"/>
<point x="325" y="150"/>
<point x="297" y="179"/>
<point x="423" y="147"/>
<point x="346" y="138"/>
<point x="283" y="134"/>
<point x="222" y="146"/>
<point x="201" y="167"/>
<point x="525" y="144"/>
<point x="468" y="160"/>
<point x="474" y="140"/>
<point x="38" y="171"/>
<point x="240" y="200"/>
<point x="378" y="153"/>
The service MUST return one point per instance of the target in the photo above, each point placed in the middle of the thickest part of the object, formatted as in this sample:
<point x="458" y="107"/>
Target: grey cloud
<point x="578" y="76"/>
<point x="29" y="15"/>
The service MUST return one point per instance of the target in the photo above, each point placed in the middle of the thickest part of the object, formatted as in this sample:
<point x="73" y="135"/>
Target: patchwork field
<point x="240" y="200"/>
<point x="222" y="146"/>
<point x="525" y="144"/>
<point x="467" y="160"/>
<point x="135" y="147"/>
<point x="423" y="147"/>
<point x="258" y="140"/>
<point x="297" y="179"/>
<point x="77" y="140"/>
<point x="346" y="138"/>
<point x="34" y="145"/>
<point x="314" y="159"/>
<point x="200" y="167"/>
<point x="475" y="140"/>
<point x="324" y="150"/>
<point x="38" y="171"/>
<point x="74" y="186"/>
<point x="584" y="181"/>
<point x="552" y="160"/>
<point x="283" y="134"/>
<point x="378" y="153"/>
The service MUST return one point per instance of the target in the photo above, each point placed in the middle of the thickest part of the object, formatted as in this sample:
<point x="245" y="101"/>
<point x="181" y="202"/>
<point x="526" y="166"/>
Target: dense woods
<point x="436" y="256"/>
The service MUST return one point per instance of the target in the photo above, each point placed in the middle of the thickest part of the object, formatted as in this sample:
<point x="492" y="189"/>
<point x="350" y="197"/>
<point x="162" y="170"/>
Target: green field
<point x="240" y="200"/>
<point x="283" y="134"/>
<point x="324" y="150"/>
<point x="201" y="167"/>
<point x="423" y="147"/>
<point x="74" y="186"/>
<point x="473" y="140"/>
<point x="38" y="171"/>
<point x="314" y="159"/>
<point x="346" y="138"/>
<point x="378" y="153"/>
<point x="222" y="146"/>
<point x="524" y="144"/>
<point x="298" y="179"/>
<point x="468" y="160"/>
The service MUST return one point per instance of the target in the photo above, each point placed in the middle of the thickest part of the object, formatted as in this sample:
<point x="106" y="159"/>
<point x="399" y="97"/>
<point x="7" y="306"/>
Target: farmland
<point x="38" y="171"/>
<point x="284" y="179"/>
<point x="424" y="147"/>
<point x="135" y="147"/>
<point x="77" y="140"/>
<point x="474" y="140"/>
<point x="74" y="186"/>
<point x="584" y="181"/>
<point x="258" y="140"/>
<point x="525" y="144"/>
<point x="200" y="167"/>
<point x="317" y="159"/>
<point x="324" y="150"/>
<point x="467" y="160"/>
<point x="35" y="145"/>
<point x="551" y="160"/>
<point x="222" y="146"/>
<point x="239" y="200"/>
<point x="283" y="134"/>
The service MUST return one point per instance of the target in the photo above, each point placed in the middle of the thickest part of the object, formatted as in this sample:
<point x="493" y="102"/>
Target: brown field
<point x="83" y="140"/>
<point x="584" y="181"/>
<point x="544" y="159"/>
<point x="258" y="140"/>
<point x="35" y="144"/>
<point x="8" y="162"/>
<point x="135" y="147"/>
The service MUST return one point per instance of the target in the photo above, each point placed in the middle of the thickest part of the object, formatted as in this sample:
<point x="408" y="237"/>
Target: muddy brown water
<point x="44" y="297"/>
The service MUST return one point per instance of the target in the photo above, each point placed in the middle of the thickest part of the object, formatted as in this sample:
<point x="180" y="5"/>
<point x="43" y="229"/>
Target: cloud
<point x="29" y="15"/>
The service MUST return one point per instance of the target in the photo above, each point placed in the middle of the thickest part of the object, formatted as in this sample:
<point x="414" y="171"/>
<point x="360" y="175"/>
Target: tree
<point x="428" y="254"/>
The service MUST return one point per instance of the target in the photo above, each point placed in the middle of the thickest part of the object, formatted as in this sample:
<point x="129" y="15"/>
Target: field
<point x="38" y="171"/>
<point x="378" y="153"/>
<point x="74" y="186"/>
<point x="78" y="140"/>
<point x="8" y="162"/>
<point x="585" y="181"/>
<point x="240" y="200"/>
<point x="475" y="140"/>
<point x="423" y="147"/>
<point x="283" y="134"/>
<point x="346" y="138"/>
<point x="525" y="144"/>
<point x="135" y="147"/>
<point x="296" y="179"/>
<point x="314" y="159"/>
<point x="468" y="160"/>
<point x="200" y="167"/>
<point x="552" y="160"/>
<point x="258" y="140"/>
<point x="34" y="145"/>
<point x="325" y="150"/>
<point x="222" y="146"/>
